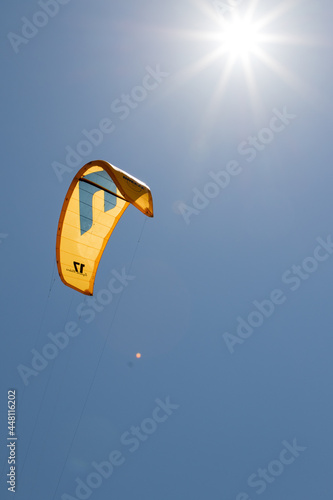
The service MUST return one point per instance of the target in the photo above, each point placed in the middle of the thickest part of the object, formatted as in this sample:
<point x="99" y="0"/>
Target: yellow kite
<point x="96" y="199"/>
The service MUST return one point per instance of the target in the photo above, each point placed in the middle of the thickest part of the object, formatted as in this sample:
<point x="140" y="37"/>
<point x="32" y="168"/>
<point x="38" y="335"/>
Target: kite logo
<point x="88" y="186"/>
<point x="133" y="184"/>
<point x="76" y="267"/>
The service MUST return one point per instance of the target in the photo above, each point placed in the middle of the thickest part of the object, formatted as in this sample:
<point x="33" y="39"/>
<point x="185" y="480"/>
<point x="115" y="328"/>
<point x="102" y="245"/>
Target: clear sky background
<point x="251" y="413"/>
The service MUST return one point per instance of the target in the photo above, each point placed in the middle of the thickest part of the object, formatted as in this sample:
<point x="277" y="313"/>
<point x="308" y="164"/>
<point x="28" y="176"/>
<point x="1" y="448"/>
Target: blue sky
<point x="228" y="288"/>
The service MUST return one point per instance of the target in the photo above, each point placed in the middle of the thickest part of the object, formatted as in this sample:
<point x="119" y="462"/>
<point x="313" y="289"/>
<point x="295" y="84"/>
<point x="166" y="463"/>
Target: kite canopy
<point x="96" y="199"/>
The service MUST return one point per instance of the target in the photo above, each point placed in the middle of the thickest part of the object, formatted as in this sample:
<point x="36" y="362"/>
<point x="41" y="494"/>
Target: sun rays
<point x="249" y="45"/>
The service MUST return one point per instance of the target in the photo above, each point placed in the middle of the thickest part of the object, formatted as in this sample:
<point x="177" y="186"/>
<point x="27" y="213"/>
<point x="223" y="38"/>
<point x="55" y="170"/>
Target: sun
<point x="239" y="38"/>
<point x="242" y="46"/>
